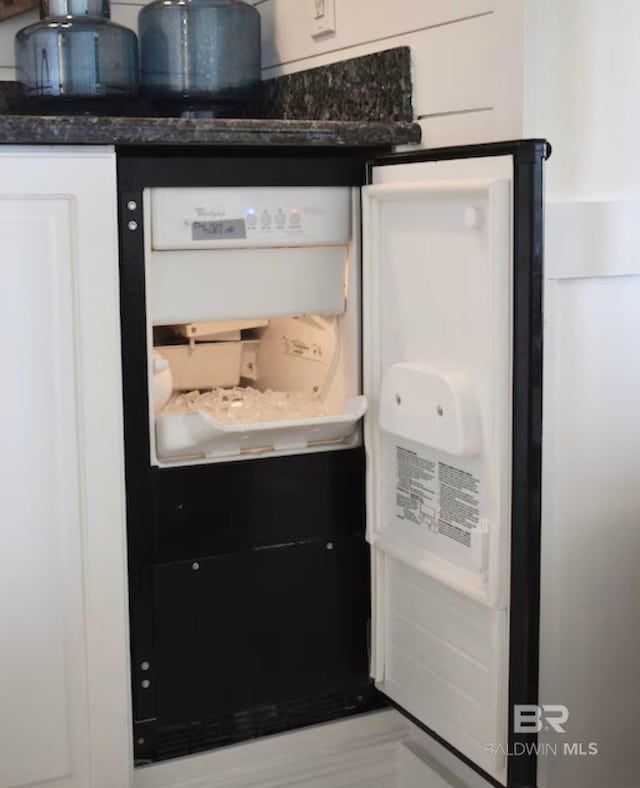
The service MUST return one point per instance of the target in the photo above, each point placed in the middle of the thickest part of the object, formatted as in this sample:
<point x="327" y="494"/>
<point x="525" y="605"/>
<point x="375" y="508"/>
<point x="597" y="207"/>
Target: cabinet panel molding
<point x="64" y="690"/>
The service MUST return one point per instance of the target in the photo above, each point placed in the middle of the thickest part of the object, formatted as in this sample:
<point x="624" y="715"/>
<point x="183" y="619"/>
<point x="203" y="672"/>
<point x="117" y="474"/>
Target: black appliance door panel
<point x="204" y="638"/>
<point x="230" y="507"/>
<point x="312" y="608"/>
<point x="266" y="627"/>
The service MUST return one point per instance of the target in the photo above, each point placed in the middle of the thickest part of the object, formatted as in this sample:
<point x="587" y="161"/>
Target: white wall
<point x="582" y="67"/>
<point x="8" y="29"/>
<point x="583" y="62"/>
<point x="467" y="56"/>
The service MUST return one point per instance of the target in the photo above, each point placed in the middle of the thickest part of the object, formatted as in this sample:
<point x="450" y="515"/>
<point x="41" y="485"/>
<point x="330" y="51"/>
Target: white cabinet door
<point x="64" y="717"/>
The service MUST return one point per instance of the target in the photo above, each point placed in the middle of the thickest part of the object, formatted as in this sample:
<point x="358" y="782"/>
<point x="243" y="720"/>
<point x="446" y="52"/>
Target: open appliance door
<point x="452" y="256"/>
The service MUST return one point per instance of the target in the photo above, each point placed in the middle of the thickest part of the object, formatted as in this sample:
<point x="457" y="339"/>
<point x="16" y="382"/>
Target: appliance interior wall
<point x="292" y="356"/>
<point x="286" y="369"/>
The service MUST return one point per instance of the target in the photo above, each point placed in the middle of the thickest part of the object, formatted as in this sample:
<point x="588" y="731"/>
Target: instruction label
<point x="310" y="351"/>
<point x="416" y="490"/>
<point x="437" y="495"/>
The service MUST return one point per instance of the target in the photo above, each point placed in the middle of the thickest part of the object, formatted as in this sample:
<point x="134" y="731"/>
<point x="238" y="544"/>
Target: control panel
<point x="242" y="217"/>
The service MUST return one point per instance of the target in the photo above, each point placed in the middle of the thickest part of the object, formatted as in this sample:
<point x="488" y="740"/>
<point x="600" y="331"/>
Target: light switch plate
<point x="324" y="17"/>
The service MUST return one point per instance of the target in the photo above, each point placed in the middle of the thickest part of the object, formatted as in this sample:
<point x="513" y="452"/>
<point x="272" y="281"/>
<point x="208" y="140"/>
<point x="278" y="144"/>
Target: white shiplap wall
<point x="467" y="56"/>
<point x="582" y="67"/>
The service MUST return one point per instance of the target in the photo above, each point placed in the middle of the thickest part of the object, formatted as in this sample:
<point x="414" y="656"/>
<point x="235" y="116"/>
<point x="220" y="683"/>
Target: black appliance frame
<point x="297" y="167"/>
<point x="327" y="538"/>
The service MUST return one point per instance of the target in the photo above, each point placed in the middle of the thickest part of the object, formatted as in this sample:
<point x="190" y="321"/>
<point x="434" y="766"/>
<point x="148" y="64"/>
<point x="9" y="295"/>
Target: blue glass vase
<point x="200" y="52"/>
<point x="75" y="51"/>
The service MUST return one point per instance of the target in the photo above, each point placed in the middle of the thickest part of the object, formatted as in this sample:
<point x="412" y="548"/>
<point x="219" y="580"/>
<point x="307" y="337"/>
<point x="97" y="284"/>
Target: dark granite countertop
<point x="370" y="95"/>
<point x="90" y="130"/>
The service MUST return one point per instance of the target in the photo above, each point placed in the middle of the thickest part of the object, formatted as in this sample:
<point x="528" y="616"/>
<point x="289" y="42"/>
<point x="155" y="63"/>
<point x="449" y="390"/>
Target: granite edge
<point x="173" y="132"/>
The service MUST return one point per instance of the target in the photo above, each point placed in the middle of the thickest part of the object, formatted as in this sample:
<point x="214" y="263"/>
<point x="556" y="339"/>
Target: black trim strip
<point x="524" y="634"/>
<point x="137" y="446"/>
<point x="533" y="150"/>
<point x="146" y="168"/>
<point x="526" y="506"/>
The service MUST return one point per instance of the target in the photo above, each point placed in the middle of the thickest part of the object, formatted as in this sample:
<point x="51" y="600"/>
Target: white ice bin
<point x="198" y="434"/>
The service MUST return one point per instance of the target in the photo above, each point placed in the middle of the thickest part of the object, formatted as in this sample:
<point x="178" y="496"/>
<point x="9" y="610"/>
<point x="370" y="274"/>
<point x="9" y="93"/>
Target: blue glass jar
<point x="200" y="51"/>
<point x="75" y="51"/>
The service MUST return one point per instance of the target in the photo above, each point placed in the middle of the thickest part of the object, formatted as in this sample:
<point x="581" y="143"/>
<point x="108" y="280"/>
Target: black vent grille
<point x="284" y="717"/>
<point x="173" y="741"/>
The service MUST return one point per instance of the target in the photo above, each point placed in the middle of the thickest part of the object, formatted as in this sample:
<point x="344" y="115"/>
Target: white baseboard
<point x="361" y="752"/>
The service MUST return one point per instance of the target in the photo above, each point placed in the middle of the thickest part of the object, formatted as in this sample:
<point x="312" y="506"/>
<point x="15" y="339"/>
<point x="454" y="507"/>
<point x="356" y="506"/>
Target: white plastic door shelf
<point x="437" y="352"/>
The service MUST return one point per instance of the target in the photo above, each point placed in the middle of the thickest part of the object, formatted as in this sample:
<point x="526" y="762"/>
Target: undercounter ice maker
<point x="284" y="312"/>
<point x="252" y="303"/>
<point x="248" y="563"/>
